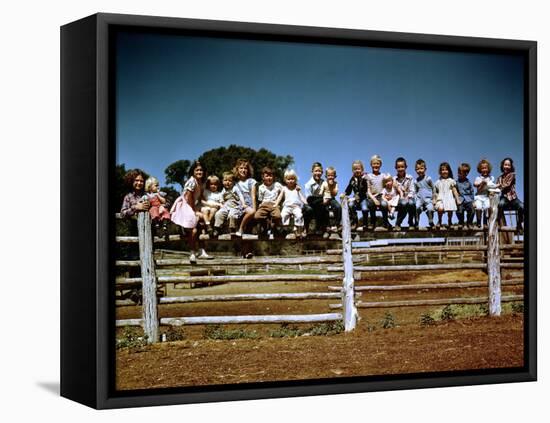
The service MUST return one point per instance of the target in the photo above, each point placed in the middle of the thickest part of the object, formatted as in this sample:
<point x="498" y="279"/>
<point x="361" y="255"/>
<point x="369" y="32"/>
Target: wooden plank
<point x="149" y="279"/>
<point x="430" y="285"/>
<point x="454" y="285"/>
<point x="135" y="239"/>
<point x="234" y="278"/>
<point x="423" y="249"/>
<point x="493" y="256"/>
<point x="413" y="267"/>
<point x="249" y="297"/>
<point x="432" y="302"/>
<point x="289" y="318"/>
<point x="260" y="261"/>
<point x="129" y="322"/>
<point x="350" y="312"/>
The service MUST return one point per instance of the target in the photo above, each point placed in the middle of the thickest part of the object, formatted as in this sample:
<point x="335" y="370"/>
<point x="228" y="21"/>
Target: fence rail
<point x="345" y="264"/>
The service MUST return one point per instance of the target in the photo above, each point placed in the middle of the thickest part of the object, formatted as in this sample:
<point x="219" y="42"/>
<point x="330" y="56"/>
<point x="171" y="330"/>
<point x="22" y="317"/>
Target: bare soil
<point x="463" y="344"/>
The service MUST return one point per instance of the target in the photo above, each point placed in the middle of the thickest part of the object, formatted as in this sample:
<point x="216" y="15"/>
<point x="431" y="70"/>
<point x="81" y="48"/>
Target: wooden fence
<point x="345" y="265"/>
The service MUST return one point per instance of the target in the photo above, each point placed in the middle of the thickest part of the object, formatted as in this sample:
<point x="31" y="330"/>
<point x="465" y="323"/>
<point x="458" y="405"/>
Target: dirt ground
<point x="479" y="343"/>
<point x="465" y="343"/>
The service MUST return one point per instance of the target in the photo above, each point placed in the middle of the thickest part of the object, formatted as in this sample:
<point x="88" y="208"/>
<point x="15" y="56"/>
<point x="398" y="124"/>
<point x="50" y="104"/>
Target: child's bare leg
<point x="249" y="214"/>
<point x="478" y="217"/>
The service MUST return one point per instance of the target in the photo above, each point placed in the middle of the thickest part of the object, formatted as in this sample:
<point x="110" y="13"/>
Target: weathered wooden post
<point x="149" y="279"/>
<point x="348" y="294"/>
<point x="493" y="255"/>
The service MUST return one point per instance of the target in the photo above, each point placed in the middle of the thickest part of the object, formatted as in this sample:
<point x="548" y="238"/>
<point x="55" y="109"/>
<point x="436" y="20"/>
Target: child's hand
<point x="298" y="188"/>
<point x="143" y="206"/>
<point x="376" y="202"/>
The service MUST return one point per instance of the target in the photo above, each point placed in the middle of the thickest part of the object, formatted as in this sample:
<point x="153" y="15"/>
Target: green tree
<point x="177" y="172"/>
<point x="171" y="194"/>
<point x="222" y="159"/>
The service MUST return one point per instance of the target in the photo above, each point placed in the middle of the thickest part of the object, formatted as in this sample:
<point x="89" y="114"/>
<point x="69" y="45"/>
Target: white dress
<point x="444" y="194"/>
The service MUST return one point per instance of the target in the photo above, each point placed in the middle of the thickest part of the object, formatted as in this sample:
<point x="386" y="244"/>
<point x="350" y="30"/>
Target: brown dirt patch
<point x="479" y="343"/>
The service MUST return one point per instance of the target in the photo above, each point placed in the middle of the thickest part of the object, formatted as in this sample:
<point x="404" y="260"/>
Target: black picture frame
<point x="87" y="315"/>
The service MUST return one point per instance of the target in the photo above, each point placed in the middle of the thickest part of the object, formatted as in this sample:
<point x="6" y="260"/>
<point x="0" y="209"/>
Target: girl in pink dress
<point x="184" y="213"/>
<point x="158" y="211"/>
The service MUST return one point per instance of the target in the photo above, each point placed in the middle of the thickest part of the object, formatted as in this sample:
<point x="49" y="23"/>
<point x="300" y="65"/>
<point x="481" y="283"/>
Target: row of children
<point x="411" y="196"/>
<point x="238" y="202"/>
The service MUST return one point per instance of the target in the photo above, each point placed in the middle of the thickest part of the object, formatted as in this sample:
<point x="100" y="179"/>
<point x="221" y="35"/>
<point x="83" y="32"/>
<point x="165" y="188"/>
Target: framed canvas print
<point x="258" y="211"/>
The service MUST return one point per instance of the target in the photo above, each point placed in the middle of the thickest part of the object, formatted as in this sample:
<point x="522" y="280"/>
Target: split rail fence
<point x="345" y="265"/>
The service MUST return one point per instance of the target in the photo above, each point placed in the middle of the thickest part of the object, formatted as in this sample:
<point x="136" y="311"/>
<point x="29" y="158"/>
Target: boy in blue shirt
<point x="465" y="196"/>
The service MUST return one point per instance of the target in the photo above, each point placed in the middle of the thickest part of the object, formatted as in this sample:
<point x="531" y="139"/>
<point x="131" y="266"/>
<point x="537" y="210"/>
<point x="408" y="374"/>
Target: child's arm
<point x="349" y="188"/>
<point x="301" y="194"/>
<point x="279" y="199"/>
<point x="253" y="195"/>
<point x="190" y="199"/>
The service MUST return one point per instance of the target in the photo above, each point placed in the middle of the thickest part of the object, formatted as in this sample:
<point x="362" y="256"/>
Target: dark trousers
<point x="315" y="209"/>
<point x="515" y="204"/>
<point x="468" y="208"/>
<point x="372" y="210"/>
<point x="404" y="207"/>
<point x="333" y="212"/>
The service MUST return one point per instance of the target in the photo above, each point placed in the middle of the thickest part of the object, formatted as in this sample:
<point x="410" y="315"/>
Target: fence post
<point x="149" y="279"/>
<point x="348" y="300"/>
<point x="493" y="256"/>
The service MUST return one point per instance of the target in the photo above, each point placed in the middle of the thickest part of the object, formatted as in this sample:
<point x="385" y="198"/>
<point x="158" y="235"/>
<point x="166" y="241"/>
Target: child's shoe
<point x="204" y="255"/>
<point x="193" y="258"/>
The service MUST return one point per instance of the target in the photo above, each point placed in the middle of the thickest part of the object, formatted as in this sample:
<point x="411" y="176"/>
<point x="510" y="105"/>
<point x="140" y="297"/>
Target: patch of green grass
<point x="174" y="333"/>
<point x="286" y="331"/>
<point x="218" y="332"/>
<point x="388" y="321"/>
<point x="447" y="314"/>
<point x="131" y="338"/>
<point x="513" y="307"/>
<point x="426" y="320"/>
<point x="320" y="329"/>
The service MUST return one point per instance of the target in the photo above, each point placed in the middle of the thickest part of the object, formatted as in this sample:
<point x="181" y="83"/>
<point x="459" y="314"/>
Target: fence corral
<point x="346" y="265"/>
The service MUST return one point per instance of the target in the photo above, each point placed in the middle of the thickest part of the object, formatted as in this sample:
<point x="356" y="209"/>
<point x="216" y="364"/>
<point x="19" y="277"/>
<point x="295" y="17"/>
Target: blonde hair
<point x="212" y="179"/>
<point x="241" y="162"/>
<point x="150" y="182"/>
<point x="330" y="169"/>
<point x="386" y="178"/>
<point x="228" y="175"/>
<point x="290" y="172"/>
<point x="357" y="162"/>
<point x="376" y="158"/>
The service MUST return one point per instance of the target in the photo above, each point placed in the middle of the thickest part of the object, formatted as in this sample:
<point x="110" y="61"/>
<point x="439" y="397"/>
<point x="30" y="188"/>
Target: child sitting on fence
<point x="329" y="191"/>
<point x="374" y="192"/>
<point x="390" y="194"/>
<point x="133" y="202"/>
<point x="465" y="202"/>
<point x="293" y="202"/>
<point x="483" y="182"/>
<point x="314" y="209"/>
<point x="232" y="207"/>
<point x="358" y="187"/>
<point x="212" y="200"/>
<point x="243" y="172"/>
<point x="424" y="188"/>
<point x="160" y="215"/>
<point x="446" y="195"/>
<point x="184" y="211"/>
<point x="508" y="197"/>
<point x="268" y="193"/>
<point x="405" y="184"/>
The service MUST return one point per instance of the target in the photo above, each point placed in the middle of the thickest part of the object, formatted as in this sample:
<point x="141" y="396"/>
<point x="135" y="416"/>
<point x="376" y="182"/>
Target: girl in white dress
<point x="293" y="202"/>
<point x="446" y="195"/>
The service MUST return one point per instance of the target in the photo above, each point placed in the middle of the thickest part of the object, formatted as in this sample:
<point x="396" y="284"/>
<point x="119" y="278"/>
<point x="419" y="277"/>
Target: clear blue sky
<point x="178" y="96"/>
